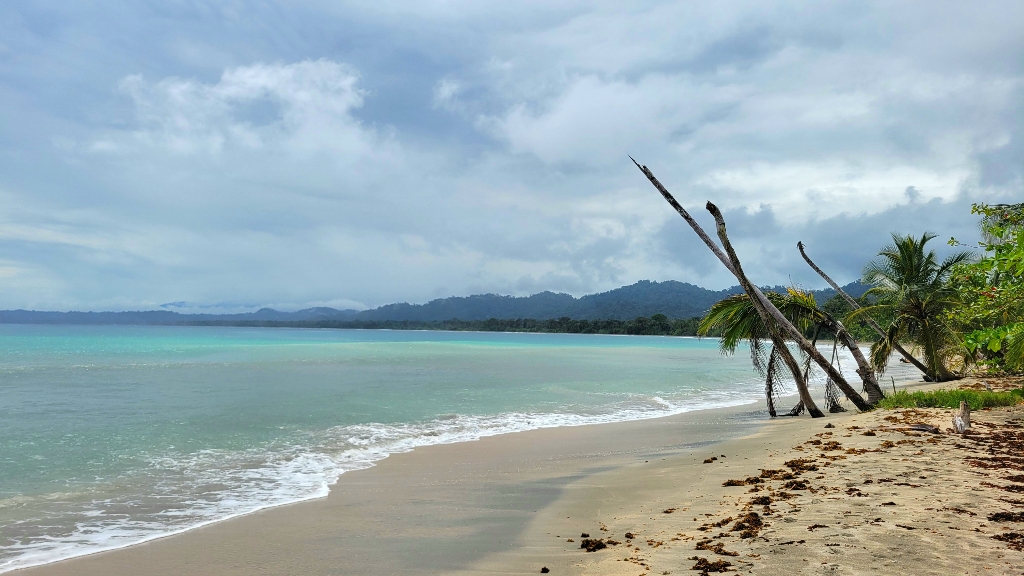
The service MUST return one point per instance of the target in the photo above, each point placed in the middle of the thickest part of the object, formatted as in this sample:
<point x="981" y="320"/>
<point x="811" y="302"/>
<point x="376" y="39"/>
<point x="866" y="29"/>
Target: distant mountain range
<point x="645" y="298"/>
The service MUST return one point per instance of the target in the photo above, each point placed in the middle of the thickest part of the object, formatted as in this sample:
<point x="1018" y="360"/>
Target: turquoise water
<point x="112" y="435"/>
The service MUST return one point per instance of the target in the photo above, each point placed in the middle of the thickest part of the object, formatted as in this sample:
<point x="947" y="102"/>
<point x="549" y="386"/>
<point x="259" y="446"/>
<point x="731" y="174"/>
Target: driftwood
<point x="870" y="321"/>
<point x="915" y="427"/>
<point x="962" y="418"/>
<point x="926" y="428"/>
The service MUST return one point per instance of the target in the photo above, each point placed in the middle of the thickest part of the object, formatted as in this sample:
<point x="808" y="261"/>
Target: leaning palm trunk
<point x="772" y="322"/>
<point x="931" y="351"/>
<point x="787" y="327"/>
<point x="757" y="298"/>
<point x="871" y="321"/>
<point x="864" y="369"/>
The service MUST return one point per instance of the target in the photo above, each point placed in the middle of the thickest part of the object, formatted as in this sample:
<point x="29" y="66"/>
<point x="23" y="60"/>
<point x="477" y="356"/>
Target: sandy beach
<point x="866" y="495"/>
<point x="435" y="510"/>
<point x="846" y="494"/>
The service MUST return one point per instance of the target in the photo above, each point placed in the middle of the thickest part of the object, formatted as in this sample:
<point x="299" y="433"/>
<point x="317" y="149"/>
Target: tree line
<point x="656" y="325"/>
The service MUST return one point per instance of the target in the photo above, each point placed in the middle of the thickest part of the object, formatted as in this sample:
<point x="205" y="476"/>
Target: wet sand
<point x="435" y="510"/>
<point x="846" y="494"/>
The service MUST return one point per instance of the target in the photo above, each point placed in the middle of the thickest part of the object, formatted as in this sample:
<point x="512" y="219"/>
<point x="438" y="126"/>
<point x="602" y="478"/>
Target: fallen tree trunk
<point x="853" y="303"/>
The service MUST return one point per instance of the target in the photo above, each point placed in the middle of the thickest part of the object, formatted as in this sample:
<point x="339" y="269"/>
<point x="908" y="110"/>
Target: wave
<point x="187" y="491"/>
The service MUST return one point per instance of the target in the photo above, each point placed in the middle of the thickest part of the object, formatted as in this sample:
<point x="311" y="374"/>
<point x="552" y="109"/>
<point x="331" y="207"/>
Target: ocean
<point x="114" y="435"/>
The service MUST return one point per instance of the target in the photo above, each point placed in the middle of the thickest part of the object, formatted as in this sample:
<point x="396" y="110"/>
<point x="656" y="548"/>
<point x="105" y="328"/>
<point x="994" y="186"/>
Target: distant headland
<point x="644" y="299"/>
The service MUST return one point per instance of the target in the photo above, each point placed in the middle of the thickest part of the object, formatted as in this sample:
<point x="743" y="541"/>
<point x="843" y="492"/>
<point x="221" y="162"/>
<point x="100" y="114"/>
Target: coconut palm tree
<point x="736" y="320"/>
<point x="910" y="288"/>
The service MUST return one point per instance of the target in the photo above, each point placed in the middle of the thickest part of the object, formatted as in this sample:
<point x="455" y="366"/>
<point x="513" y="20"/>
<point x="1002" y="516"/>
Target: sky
<point x="225" y="156"/>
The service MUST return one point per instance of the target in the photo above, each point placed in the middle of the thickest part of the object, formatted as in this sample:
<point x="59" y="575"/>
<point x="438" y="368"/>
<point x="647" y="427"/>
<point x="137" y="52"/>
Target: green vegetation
<point x="911" y="289"/>
<point x="657" y="325"/>
<point x="858" y="328"/>
<point x="951" y="399"/>
<point x="736" y="320"/>
<point x="991" y="292"/>
<point x="944" y="316"/>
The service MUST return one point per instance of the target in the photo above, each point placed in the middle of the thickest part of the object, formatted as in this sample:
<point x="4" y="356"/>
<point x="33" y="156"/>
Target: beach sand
<point x="434" y="510"/>
<point x="867" y="495"/>
<point x="895" y="502"/>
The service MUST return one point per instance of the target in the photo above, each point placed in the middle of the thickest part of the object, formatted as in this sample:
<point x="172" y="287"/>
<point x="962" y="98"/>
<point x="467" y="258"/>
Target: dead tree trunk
<point x="787" y="327"/>
<point x="853" y="304"/>
<point x="798" y="377"/>
<point x="864" y="369"/>
<point x="779" y="343"/>
<point x="770" y="321"/>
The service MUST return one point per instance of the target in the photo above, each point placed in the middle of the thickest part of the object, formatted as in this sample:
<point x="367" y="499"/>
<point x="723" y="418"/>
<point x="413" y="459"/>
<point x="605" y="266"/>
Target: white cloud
<point x="367" y="153"/>
<point x="445" y="94"/>
<point x="305" y="105"/>
<point x="821" y="190"/>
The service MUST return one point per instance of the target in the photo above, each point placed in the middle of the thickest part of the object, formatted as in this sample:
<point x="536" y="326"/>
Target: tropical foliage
<point x="736" y="320"/>
<point x="656" y="325"/>
<point x="943" y="315"/>
<point x="991" y="291"/>
<point x="911" y="290"/>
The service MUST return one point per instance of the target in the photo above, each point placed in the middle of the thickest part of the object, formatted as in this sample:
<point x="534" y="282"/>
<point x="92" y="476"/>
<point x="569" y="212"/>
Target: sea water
<point x="114" y="435"/>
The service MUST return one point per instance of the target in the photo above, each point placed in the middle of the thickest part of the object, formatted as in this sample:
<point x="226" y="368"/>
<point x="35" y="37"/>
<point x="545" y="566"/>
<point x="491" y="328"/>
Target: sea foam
<point x="212" y="485"/>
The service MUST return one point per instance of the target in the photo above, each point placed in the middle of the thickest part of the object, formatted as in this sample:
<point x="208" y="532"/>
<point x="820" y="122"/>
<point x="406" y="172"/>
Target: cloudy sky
<point x="232" y="155"/>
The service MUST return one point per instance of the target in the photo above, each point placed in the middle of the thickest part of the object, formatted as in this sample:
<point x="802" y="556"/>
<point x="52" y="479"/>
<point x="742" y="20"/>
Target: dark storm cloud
<point x="243" y="154"/>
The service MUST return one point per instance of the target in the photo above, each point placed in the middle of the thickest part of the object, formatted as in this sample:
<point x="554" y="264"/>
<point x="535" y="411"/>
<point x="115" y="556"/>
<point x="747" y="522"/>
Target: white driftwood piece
<point x="962" y="418"/>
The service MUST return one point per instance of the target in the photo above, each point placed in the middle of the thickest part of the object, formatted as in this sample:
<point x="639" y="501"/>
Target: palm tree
<point x="780" y="328"/>
<point x="735" y="319"/>
<point x="911" y="290"/>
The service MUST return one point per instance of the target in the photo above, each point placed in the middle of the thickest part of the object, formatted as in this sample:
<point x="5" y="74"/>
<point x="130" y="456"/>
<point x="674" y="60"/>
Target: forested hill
<point x="645" y="298"/>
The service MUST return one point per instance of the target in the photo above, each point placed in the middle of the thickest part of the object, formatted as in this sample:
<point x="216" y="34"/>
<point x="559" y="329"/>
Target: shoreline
<point x="578" y="448"/>
<point x="182" y="490"/>
<point x="466" y="454"/>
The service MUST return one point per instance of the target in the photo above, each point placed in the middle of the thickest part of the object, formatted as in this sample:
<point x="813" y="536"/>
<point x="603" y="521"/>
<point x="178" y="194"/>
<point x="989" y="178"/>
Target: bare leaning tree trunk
<point x="777" y="335"/>
<point x="763" y="304"/>
<point x="779" y="343"/>
<point x="864" y="369"/>
<point x="853" y="304"/>
<point x="788" y="328"/>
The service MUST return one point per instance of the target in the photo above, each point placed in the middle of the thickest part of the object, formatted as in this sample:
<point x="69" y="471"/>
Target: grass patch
<point x="951" y="399"/>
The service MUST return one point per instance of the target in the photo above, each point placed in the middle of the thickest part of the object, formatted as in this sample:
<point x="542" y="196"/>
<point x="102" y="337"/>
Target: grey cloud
<point x="257" y="153"/>
<point x="841" y="245"/>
